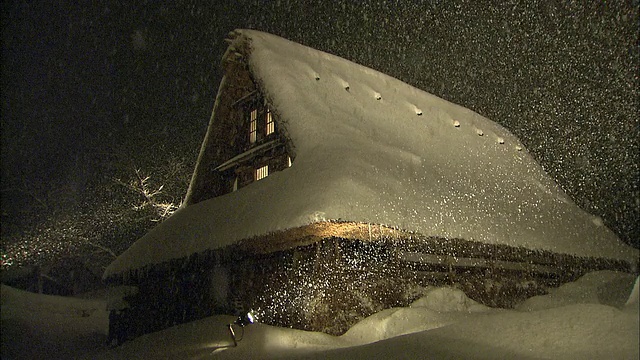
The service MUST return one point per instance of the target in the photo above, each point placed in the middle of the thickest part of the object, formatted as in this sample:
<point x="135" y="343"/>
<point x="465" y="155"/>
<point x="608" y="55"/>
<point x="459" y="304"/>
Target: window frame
<point x="270" y="127"/>
<point x="261" y="172"/>
<point x="253" y="125"/>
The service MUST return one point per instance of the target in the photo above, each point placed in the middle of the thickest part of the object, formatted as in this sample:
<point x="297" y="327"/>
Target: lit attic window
<point x="262" y="172"/>
<point x="253" y="126"/>
<point x="271" y="128"/>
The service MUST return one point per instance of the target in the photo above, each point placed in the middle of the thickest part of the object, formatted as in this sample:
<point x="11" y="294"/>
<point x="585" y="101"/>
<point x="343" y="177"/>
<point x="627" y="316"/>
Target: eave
<point x="248" y="155"/>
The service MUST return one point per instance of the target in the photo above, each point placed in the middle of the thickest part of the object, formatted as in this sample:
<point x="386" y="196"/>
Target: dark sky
<point x="83" y="83"/>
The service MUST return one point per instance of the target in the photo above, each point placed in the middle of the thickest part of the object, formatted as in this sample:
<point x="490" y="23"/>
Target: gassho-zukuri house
<point x="326" y="191"/>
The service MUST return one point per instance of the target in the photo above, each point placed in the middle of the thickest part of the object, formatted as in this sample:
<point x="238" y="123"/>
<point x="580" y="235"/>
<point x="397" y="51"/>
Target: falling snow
<point x="398" y="162"/>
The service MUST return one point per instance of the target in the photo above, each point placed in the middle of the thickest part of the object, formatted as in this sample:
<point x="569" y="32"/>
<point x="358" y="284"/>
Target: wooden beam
<point x="429" y="259"/>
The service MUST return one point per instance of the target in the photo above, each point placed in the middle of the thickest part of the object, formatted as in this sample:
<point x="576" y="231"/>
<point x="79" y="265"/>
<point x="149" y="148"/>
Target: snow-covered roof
<point x="370" y="148"/>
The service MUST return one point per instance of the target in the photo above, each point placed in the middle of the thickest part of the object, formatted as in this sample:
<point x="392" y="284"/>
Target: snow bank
<point x="51" y="327"/>
<point x="632" y="301"/>
<point x="371" y="148"/>
<point x="445" y="324"/>
<point x="600" y="287"/>
<point x="439" y="307"/>
<point x="574" y="332"/>
<point x="448" y="300"/>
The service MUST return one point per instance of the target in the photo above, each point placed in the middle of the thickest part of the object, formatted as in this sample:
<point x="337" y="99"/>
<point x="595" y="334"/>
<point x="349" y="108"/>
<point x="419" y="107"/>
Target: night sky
<point x="86" y="89"/>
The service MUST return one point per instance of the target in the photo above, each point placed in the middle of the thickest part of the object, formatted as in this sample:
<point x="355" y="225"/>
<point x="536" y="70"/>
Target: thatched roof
<point x="371" y="149"/>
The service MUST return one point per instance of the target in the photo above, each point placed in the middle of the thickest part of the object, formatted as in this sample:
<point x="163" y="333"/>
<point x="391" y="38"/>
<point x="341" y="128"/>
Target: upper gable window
<point x="261" y="122"/>
<point x="271" y="126"/>
<point x="253" y="126"/>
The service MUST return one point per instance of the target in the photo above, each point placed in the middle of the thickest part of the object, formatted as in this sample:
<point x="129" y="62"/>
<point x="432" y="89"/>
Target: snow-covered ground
<point x="595" y="317"/>
<point x="51" y="327"/>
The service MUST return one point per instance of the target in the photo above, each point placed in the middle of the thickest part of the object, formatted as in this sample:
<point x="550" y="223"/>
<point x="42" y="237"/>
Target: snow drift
<point x="445" y="324"/>
<point x="583" y="319"/>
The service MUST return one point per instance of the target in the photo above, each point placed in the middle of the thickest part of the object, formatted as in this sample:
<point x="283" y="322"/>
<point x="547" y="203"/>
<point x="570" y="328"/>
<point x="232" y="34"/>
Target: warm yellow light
<point x="262" y="172"/>
<point x="271" y="128"/>
<point x="253" y="126"/>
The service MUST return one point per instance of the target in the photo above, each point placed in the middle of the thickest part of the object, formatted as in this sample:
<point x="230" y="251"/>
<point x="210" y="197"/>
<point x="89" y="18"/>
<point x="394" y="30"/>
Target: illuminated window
<point x="253" y="126"/>
<point x="271" y="128"/>
<point x="262" y="172"/>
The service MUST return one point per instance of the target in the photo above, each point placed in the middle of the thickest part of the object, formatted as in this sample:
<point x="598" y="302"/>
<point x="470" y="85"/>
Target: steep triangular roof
<point x="370" y="148"/>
